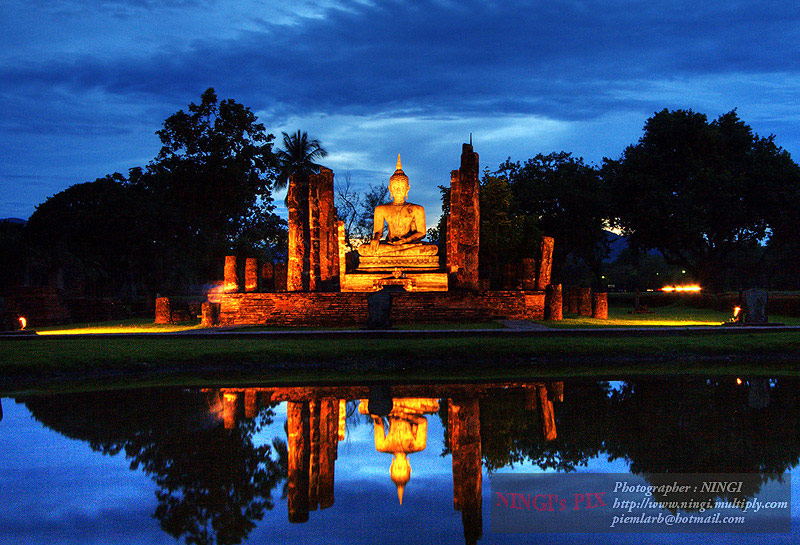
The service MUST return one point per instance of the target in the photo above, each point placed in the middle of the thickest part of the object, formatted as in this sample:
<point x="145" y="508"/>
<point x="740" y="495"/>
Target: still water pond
<point x="332" y="464"/>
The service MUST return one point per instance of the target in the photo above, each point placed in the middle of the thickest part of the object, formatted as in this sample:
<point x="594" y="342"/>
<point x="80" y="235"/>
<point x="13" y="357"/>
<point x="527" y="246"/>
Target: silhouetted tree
<point x="298" y="157"/>
<point x="564" y="198"/>
<point x="698" y="191"/>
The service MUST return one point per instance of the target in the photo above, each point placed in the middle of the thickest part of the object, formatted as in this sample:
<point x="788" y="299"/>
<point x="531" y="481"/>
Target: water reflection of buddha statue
<point x="406" y="222"/>
<point x="407" y="433"/>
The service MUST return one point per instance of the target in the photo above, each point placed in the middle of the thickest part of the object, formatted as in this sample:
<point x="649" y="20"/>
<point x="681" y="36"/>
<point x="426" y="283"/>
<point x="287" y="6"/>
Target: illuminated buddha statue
<point x="407" y="433"/>
<point x="406" y="222"/>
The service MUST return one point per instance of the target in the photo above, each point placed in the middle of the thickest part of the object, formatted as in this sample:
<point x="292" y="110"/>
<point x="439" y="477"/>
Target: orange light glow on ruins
<point x="22" y="322"/>
<point x="736" y="311"/>
<point x="691" y="288"/>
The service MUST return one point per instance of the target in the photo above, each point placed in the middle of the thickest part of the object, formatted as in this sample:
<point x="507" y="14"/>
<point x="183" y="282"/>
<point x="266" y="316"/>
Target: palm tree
<point x="298" y="156"/>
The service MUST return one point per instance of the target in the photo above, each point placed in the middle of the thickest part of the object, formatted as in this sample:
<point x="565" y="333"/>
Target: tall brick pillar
<point x="545" y="263"/>
<point x="299" y="236"/>
<point x="463" y="224"/>
<point x="313" y="234"/>
<point x="322" y="185"/>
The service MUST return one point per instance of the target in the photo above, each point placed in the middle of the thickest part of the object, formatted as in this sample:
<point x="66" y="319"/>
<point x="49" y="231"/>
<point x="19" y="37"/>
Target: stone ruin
<point x="323" y="285"/>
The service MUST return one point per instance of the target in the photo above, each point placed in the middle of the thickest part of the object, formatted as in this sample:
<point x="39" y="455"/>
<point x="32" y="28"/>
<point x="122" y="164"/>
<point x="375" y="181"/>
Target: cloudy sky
<point x="84" y="84"/>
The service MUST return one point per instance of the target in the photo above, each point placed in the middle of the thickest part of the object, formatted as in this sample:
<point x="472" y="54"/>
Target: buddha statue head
<point x="398" y="183"/>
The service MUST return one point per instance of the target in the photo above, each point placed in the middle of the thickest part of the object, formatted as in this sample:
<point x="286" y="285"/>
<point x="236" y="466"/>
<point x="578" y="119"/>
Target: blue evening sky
<point x="84" y="84"/>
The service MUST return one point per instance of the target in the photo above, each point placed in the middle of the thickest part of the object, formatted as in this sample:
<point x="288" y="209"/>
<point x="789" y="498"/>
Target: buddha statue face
<point x="398" y="188"/>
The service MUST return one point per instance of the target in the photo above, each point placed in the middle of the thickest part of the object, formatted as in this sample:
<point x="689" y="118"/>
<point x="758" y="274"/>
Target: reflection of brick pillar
<point x="546" y="413"/>
<point x="297" y="202"/>
<point x="553" y="302"/>
<point x="250" y="403"/>
<point x="329" y="445"/>
<point x="230" y="406"/>
<point x="313" y="463"/>
<point x="545" y="263"/>
<point x="297" y="423"/>
<point x="231" y="281"/>
<point x="465" y="442"/>
<point x="463" y="226"/>
<point x="600" y="306"/>
<point x="250" y="274"/>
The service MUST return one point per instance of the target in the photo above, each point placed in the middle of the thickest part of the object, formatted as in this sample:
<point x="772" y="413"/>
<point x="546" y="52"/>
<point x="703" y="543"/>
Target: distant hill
<point x="15" y="220"/>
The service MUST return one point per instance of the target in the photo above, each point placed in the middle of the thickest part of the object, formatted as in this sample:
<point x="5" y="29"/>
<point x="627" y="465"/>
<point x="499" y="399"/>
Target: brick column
<point x="600" y="306"/>
<point x="250" y="274"/>
<point x="553" y="302"/>
<point x="463" y="225"/>
<point x="231" y="281"/>
<point x="545" y="263"/>
<point x="297" y="203"/>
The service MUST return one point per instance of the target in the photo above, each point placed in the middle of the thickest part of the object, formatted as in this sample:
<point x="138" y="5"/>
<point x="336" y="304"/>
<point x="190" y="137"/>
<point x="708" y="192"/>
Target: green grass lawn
<point x="58" y="358"/>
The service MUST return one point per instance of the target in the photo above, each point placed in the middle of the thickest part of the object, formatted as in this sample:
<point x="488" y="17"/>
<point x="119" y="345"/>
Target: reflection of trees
<point x="510" y="433"/>
<point x="658" y="426"/>
<point x="213" y="483"/>
<point x="705" y="426"/>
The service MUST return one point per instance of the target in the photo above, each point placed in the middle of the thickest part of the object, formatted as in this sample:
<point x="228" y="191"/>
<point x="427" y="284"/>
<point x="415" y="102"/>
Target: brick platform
<point x="350" y="309"/>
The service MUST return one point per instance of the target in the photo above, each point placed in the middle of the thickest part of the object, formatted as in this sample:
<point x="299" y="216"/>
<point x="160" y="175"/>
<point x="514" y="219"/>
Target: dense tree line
<point x="710" y="199"/>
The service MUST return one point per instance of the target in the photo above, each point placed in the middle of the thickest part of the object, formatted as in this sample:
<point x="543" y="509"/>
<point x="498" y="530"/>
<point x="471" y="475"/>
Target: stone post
<point x="600" y="306"/>
<point x="553" y="303"/>
<point x="545" y="263"/>
<point x="463" y="226"/>
<point x="583" y="299"/>
<point x="250" y="274"/>
<point x="755" y="306"/>
<point x="231" y="281"/>
<point x="529" y="274"/>
<point x="163" y="311"/>
<point x="297" y="203"/>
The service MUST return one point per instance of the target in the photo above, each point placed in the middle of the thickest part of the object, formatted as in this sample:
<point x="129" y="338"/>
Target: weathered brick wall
<point x="350" y="309"/>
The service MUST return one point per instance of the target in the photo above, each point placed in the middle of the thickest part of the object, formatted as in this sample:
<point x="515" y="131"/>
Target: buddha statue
<point x="406" y="223"/>
<point x="407" y="433"/>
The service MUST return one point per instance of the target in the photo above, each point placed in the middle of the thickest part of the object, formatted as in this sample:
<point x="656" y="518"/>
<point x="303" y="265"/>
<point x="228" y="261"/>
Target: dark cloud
<point x="433" y="61"/>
